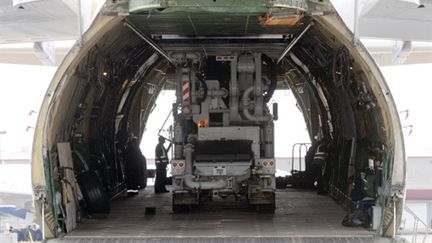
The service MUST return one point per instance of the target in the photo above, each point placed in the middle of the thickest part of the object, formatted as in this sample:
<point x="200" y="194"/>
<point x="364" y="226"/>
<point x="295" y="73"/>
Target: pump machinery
<point x="223" y="131"/>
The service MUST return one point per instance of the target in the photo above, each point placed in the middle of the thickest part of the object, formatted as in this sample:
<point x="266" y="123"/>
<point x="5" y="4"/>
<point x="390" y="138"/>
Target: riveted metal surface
<point x="227" y="240"/>
<point x="301" y="216"/>
<point x="206" y="24"/>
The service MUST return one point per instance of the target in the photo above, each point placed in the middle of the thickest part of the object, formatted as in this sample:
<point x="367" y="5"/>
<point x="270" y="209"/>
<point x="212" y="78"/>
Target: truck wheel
<point x="93" y="192"/>
<point x="281" y="182"/>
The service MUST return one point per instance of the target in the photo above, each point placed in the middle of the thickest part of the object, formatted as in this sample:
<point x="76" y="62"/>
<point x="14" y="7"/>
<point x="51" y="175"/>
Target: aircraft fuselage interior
<point x="235" y="55"/>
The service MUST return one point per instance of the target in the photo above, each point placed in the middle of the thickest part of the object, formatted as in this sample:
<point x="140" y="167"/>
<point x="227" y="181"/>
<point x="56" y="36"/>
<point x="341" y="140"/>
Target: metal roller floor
<point x="301" y="216"/>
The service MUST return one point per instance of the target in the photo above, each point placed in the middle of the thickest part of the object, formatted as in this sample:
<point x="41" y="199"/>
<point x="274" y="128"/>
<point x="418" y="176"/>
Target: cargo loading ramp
<point x="300" y="216"/>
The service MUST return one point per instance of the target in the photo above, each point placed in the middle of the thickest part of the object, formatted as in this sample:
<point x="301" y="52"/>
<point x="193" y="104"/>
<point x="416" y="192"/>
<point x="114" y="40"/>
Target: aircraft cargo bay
<point x="300" y="216"/>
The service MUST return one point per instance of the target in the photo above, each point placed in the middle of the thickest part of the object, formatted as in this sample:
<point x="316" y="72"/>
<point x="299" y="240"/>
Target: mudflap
<point x="263" y="201"/>
<point x="184" y="201"/>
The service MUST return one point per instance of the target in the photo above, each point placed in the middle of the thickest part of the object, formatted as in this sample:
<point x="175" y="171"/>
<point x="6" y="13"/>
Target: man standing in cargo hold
<point x="161" y="160"/>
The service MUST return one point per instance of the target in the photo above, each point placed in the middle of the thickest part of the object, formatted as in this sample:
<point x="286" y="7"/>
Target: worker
<point x="161" y="166"/>
<point x="132" y="166"/>
<point x="319" y="164"/>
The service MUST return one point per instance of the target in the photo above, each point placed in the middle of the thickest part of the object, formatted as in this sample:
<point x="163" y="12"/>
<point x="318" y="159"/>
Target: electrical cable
<point x="273" y="77"/>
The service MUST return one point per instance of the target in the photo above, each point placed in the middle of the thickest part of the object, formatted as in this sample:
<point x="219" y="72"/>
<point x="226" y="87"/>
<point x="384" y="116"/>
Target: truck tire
<point x="93" y="192"/>
<point x="281" y="182"/>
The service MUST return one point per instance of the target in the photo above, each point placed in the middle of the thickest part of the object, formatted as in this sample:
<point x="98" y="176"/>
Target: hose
<point x="273" y="77"/>
<point x="188" y="179"/>
<point x="201" y="77"/>
<point x="246" y="113"/>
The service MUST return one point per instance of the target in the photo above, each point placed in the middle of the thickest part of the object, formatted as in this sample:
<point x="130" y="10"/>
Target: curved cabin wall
<point x="105" y="89"/>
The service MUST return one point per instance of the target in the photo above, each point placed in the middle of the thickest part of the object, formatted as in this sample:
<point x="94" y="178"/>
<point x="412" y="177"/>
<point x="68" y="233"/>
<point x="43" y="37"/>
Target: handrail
<point x="163" y="124"/>
<point x="416" y="221"/>
<point x="300" y="157"/>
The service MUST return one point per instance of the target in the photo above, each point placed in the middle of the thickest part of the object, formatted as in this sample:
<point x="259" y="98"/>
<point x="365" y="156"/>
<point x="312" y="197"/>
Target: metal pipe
<point x="297" y="61"/>
<point x="188" y="179"/>
<point x="178" y="128"/>
<point x="269" y="139"/>
<point x="178" y="140"/>
<point x="217" y="93"/>
<point x="149" y="41"/>
<point x="292" y="43"/>
<point x="219" y="110"/>
<point x="188" y="152"/>
<point x="234" y="113"/>
<point x="186" y="94"/>
<point x="178" y="76"/>
<point x="182" y="57"/>
<point x="247" y="114"/>
<point x="193" y="79"/>
<point x="258" y="94"/>
<point x="207" y="185"/>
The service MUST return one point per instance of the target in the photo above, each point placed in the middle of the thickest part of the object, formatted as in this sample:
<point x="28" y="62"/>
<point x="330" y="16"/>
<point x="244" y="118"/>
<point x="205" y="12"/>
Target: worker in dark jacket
<point x="161" y="160"/>
<point x="320" y="166"/>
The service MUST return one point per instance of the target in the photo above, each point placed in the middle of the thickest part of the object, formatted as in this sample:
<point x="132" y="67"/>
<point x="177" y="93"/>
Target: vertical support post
<point x="80" y="24"/>
<point x="356" y="22"/>
<point x="43" y="218"/>
<point x="178" y="139"/>
<point x="269" y="139"/>
<point x="193" y="80"/>
<point x="178" y="73"/>
<point x="1" y="133"/>
<point x="351" y="161"/>
<point x="40" y="197"/>
<point x="234" y="113"/>
<point x="178" y="127"/>
<point x="188" y="152"/>
<point x="394" y="216"/>
<point x="186" y="92"/>
<point x="258" y="94"/>
<point x="292" y="157"/>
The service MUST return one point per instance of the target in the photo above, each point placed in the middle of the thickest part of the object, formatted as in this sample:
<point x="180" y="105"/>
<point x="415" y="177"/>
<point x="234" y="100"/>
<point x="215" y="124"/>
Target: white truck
<point x="224" y="132"/>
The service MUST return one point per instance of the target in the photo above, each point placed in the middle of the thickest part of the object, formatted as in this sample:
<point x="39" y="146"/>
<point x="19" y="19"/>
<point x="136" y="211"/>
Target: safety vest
<point x="320" y="156"/>
<point x="161" y="154"/>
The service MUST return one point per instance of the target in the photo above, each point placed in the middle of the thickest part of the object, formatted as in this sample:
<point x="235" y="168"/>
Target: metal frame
<point x="293" y="42"/>
<point x="149" y="41"/>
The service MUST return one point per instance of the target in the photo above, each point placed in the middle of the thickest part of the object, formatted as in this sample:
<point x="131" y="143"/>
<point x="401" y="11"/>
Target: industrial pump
<point x="223" y="131"/>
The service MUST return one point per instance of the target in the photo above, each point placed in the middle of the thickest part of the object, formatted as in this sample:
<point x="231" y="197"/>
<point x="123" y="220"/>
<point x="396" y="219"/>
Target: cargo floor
<point x="298" y="214"/>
